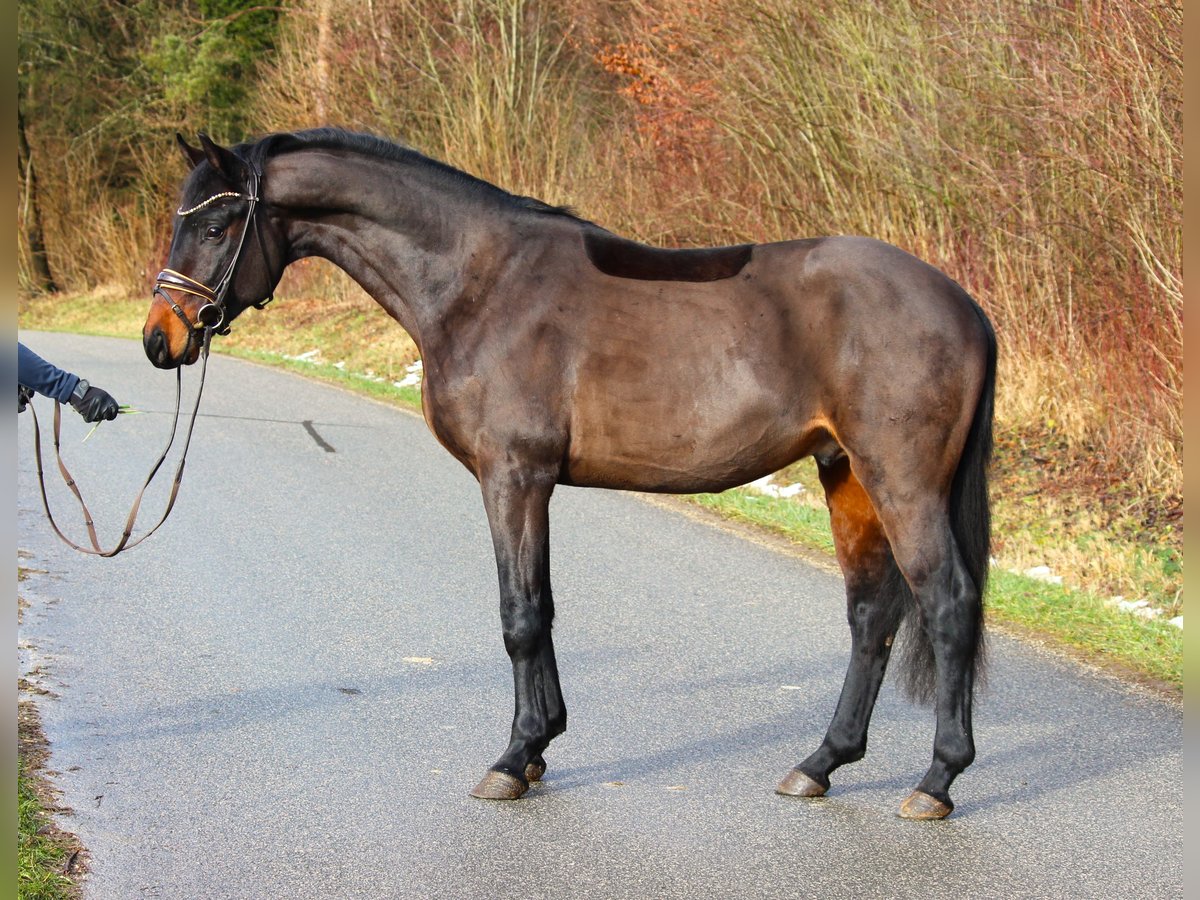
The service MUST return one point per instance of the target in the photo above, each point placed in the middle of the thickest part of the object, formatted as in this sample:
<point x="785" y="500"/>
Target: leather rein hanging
<point x="209" y="319"/>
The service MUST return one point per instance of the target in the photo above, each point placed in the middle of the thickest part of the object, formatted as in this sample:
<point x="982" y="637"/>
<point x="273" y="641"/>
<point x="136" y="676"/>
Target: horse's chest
<point x="497" y="410"/>
<point x="452" y="411"/>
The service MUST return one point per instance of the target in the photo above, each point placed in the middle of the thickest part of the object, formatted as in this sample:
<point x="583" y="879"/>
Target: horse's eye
<point x="213" y="232"/>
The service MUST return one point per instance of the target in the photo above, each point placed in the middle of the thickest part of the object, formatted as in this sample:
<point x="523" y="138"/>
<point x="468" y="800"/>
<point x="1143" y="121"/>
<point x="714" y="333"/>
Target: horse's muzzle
<point x="157" y="344"/>
<point x="157" y="348"/>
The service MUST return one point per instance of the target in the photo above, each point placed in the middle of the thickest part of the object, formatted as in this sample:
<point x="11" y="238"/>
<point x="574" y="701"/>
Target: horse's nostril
<point x="156" y="346"/>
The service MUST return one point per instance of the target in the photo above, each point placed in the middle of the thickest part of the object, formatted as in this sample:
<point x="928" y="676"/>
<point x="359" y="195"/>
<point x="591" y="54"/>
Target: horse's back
<point x="859" y="276"/>
<point x="866" y="318"/>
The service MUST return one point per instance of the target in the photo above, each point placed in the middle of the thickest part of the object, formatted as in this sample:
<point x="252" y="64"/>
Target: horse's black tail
<point x="970" y="522"/>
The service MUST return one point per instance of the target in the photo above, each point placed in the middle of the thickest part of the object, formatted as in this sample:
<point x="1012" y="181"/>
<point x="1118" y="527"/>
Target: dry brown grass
<point x="1034" y="153"/>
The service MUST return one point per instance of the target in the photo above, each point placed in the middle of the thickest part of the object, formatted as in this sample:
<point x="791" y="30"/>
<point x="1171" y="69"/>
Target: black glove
<point x="93" y="403"/>
<point x="24" y="395"/>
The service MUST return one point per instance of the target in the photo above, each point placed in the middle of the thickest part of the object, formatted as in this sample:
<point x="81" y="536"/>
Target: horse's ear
<point x="194" y="155"/>
<point x="223" y="160"/>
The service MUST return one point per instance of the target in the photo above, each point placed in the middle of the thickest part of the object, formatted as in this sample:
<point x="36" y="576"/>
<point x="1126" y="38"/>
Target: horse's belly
<point x="686" y="388"/>
<point x="675" y="474"/>
<point x="652" y="441"/>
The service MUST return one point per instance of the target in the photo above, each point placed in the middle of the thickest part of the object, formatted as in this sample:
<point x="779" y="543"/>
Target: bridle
<point x="209" y="320"/>
<point x="211" y="317"/>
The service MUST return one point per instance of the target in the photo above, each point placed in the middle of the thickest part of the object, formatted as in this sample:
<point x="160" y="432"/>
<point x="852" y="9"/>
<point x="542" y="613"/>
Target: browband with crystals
<point x="187" y="212"/>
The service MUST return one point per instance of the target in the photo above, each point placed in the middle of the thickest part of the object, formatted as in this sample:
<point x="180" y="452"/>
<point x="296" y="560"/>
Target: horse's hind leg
<point x="875" y="604"/>
<point x="951" y="619"/>
<point x="944" y="651"/>
<point x="517" y="505"/>
<point x="556" y="709"/>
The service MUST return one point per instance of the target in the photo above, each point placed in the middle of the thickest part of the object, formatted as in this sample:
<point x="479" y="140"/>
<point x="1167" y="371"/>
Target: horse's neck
<point x="407" y="242"/>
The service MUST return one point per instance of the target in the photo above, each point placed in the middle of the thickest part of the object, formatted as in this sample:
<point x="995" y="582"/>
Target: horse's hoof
<point x="499" y="786"/>
<point x="920" y="805"/>
<point x="535" y="770"/>
<point x="796" y="784"/>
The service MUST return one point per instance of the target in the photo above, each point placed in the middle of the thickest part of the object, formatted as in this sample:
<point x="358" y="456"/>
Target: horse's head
<point x="226" y="255"/>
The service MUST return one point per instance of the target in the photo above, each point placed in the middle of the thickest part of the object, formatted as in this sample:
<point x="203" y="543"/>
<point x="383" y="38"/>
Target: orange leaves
<point x="653" y="74"/>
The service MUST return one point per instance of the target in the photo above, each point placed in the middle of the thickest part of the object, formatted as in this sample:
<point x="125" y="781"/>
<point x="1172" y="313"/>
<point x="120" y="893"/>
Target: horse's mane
<point x="257" y="152"/>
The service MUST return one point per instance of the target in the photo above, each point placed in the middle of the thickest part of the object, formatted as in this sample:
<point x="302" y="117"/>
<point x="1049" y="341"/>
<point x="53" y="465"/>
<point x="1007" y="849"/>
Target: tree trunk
<point x="31" y="214"/>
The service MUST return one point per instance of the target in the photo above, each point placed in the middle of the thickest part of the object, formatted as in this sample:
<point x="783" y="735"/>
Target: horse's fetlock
<point x="846" y="751"/>
<point x="956" y="755"/>
<point x="532" y="728"/>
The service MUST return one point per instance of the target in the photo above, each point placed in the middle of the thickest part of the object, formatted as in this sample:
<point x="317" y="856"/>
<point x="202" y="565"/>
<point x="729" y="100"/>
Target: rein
<point x="124" y="543"/>
<point x="209" y="320"/>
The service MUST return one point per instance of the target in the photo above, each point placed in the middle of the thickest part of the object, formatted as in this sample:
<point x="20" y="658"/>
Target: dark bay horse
<point x="558" y="353"/>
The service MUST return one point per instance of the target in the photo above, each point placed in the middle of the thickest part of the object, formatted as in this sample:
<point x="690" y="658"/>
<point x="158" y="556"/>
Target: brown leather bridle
<point x="209" y="319"/>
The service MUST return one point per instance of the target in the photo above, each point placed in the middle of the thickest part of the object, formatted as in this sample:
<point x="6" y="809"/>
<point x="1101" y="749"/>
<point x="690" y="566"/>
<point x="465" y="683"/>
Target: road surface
<point x="289" y="690"/>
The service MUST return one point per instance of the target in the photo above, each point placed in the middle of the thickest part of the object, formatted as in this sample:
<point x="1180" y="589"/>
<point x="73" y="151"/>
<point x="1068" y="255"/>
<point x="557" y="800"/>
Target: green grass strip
<point x="1073" y="618"/>
<point x="39" y="859"/>
<point x="802" y="524"/>
<point x="408" y="397"/>
<point x="1082" y="621"/>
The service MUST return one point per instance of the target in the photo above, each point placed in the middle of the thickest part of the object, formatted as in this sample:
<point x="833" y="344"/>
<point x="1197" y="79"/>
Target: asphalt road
<point x="290" y="689"/>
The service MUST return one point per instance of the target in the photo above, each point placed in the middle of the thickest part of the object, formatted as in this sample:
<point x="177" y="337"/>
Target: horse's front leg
<point x="517" y="503"/>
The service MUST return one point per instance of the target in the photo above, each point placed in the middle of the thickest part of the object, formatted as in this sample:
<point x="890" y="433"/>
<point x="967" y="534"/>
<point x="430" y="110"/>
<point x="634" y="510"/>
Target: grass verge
<point x="47" y="857"/>
<point x="41" y="859"/>
<point x="1075" y="619"/>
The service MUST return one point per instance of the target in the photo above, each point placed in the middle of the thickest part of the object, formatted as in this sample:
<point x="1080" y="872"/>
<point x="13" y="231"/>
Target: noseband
<point x="212" y="313"/>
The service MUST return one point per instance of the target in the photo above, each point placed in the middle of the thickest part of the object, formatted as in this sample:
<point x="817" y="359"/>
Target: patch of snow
<point x="1140" y="608"/>
<point x="1177" y="621"/>
<point x="412" y="376"/>
<point x="1128" y="605"/>
<point x="1043" y="573"/>
<point x="766" y="486"/>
